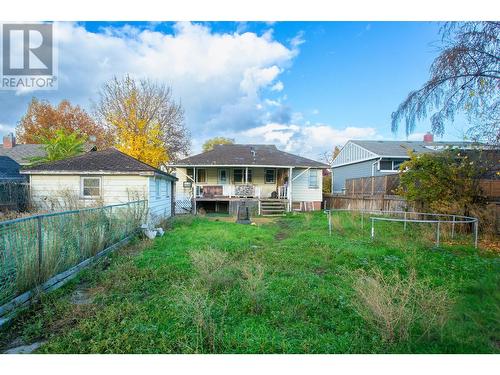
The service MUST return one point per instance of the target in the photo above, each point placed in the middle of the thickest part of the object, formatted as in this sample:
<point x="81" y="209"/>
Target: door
<point x="223" y="176"/>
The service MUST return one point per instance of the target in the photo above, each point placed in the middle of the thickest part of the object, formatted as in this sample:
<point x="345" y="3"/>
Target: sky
<point x="304" y="86"/>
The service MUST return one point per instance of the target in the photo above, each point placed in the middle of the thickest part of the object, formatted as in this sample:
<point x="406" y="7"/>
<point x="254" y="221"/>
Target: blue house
<point x="379" y="158"/>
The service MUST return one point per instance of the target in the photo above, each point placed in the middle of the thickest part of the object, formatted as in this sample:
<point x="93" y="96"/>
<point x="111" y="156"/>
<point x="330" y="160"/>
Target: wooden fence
<point x="372" y="185"/>
<point x="386" y="185"/>
<point x="362" y="202"/>
<point x="490" y="188"/>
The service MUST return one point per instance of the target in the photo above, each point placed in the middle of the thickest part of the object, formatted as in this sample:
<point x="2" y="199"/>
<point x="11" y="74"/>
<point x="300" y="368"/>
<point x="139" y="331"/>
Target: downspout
<point x="373" y="166"/>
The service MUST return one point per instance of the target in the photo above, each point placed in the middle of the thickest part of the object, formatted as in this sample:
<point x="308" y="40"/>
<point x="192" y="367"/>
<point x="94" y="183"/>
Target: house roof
<point x="401" y="148"/>
<point x="9" y="169"/>
<point x="248" y="155"/>
<point x="109" y="161"/>
<point x="21" y="153"/>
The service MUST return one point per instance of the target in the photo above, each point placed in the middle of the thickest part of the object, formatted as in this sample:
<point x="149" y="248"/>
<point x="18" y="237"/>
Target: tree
<point x="446" y="182"/>
<point x="60" y="145"/>
<point x="210" y="143"/>
<point x="464" y="79"/>
<point x="42" y="122"/>
<point x="146" y="121"/>
<point x="329" y="157"/>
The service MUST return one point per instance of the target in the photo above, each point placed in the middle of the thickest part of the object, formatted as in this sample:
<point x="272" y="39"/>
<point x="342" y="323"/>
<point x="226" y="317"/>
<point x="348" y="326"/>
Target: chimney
<point x="428" y="138"/>
<point x="9" y="141"/>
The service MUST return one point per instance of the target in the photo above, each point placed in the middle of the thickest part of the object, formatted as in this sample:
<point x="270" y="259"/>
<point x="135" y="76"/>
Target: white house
<point x="265" y="178"/>
<point x="101" y="177"/>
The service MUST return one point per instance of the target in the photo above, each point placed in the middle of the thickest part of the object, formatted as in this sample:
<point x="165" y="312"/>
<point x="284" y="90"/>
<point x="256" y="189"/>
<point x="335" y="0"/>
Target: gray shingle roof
<point x="110" y="161"/>
<point x="22" y="153"/>
<point x="400" y="148"/>
<point x="245" y="154"/>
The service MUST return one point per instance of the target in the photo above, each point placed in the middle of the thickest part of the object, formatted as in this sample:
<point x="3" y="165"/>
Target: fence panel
<point x="14" y="196"/>
<point x="35" y="248"/>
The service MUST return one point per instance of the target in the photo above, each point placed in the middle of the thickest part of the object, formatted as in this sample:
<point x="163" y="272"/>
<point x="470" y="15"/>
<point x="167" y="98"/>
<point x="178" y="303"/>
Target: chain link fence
<point x="35" y="248"/>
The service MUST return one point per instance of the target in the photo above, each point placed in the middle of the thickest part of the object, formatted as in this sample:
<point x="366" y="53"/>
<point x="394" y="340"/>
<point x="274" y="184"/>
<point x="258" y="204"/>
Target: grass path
<point x="281" y="286"/>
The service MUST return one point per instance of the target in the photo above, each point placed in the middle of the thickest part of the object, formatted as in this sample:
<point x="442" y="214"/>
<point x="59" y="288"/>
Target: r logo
<point x="27" y="50"/>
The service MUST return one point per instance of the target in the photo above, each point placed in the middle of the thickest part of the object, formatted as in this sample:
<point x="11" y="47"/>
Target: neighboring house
<point x="266" y="178"/>
<point x="378" y="158"/>
<point x="14" y="156"/>
<point x="107" y="177"/>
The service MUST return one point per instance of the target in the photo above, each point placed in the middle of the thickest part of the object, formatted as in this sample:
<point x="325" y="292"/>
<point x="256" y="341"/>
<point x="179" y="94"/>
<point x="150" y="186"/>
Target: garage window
<point x="90" y="187"/>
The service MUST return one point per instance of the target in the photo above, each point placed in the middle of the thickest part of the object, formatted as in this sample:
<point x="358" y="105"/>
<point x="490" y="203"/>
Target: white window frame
<point x="82" y="179"/>
<point x="392" y="166"/>
<point x="219" y="180"/>
<point x="309" y="179"/>
<point x="274" y="175"/>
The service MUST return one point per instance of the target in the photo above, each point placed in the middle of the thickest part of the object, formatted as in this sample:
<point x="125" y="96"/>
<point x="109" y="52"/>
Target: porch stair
<point x="273" y="207"/>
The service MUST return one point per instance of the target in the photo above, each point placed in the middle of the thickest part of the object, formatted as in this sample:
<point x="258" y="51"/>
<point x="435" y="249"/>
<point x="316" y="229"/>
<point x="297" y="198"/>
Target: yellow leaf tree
<point x="147" y="124"/>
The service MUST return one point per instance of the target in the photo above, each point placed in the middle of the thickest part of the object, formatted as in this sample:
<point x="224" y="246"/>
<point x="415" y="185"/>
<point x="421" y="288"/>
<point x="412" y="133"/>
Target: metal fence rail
<point x="406" y="217"/>
<point x="35" y="248"/>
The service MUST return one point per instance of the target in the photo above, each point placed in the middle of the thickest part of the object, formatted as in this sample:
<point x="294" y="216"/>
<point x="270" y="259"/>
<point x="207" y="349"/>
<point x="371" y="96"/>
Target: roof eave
<point x="62" y="172"/>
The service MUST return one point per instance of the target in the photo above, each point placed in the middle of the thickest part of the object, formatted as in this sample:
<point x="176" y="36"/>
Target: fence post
<point x="362" y="218"/>
<point x="40" y="246"/>
<point x="373" y="229"/>
<point x="476" y="232"/>
<point x="405" y="222"/>
<point x="453" y="228"/>
<point x="330" y="222"/>
<point x="437" y="234"/>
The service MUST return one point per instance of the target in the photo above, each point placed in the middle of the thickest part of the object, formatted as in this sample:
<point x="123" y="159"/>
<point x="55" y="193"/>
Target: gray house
<point x="378" y="158"/>
<point x="13" y="156"/>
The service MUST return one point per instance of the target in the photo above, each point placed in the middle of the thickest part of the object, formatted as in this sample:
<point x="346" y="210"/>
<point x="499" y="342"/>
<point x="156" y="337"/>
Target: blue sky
<point x="305" y="86"/>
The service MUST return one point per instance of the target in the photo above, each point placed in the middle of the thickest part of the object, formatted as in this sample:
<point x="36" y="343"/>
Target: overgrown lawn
<point x="284" y="286"/>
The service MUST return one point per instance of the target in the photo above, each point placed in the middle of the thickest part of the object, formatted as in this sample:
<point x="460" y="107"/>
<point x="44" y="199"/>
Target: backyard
<point x="283" y="285"/>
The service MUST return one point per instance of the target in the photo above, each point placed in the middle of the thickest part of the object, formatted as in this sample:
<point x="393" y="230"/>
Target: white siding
<point x="160" y="206"/>
<point x="300" y="186"/>
<point x="55" y="192"/>
<point x="60" y="191"/>
<point x="351" y="153"/>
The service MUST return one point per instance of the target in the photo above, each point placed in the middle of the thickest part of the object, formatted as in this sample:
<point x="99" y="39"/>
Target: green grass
<point x="281" y="287"/>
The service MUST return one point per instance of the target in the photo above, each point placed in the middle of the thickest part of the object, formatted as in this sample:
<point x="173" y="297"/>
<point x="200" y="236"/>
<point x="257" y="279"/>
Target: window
<point x="189" y="173"/>
<point x="201" y="175"/>
<point x="313" y="179"/>
<point x="389" y="165"/>
<point x="239" y="176"/>
<point x="270" y="176"/>
<point x="385" y="165"/>
<point x="91" y="187"/>
<point x="222" y="176"/>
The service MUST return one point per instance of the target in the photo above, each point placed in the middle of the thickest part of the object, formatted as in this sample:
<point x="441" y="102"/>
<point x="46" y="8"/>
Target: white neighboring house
<point x="107" y="177"/>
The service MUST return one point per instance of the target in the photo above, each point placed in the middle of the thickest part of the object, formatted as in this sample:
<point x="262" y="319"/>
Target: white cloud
<point x="219" y="77"/>
<point x="278" y="86"/>
<point x="306" y="140"/>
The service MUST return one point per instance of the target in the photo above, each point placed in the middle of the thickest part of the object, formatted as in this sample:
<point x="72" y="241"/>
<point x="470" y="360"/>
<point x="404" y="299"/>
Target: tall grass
<point x="66" y="240"/>
<point x="398" y="306"/>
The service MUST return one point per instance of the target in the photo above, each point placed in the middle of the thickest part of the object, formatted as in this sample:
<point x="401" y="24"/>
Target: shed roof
<point x="109" y="161"/>
<point x="248" y="155"/>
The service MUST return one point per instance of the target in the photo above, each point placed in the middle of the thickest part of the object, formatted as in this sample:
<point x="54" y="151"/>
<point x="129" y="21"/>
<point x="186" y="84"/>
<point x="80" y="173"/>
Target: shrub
<point x="397" y="307"/>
